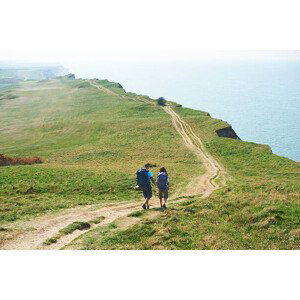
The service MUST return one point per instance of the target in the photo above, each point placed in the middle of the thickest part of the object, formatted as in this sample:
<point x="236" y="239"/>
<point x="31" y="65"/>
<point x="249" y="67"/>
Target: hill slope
<point x="93" y="136"/>
<point x="11" y="75"/>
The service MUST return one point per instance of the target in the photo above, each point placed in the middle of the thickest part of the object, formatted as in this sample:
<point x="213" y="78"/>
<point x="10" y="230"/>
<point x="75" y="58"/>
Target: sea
<point x="260" y="99"/>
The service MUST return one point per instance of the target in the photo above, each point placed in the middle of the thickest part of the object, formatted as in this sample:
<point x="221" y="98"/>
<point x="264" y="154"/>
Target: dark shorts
<point x="163" y="193"/>
<point x="147" y="192"/>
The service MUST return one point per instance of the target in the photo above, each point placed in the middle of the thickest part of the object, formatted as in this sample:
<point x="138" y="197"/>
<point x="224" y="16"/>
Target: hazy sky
<point x="53" y="30"/>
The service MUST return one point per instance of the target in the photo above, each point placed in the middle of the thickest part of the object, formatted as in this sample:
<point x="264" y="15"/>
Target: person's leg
<point x="166" y="195"/>
<point x="144" y="206"/>
<point x="147" y="202"/>
<point x="149" y="195"/>
<point x="160" y="196"/>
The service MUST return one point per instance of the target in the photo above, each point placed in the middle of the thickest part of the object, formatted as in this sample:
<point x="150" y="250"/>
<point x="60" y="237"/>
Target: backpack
<point x="142" y="177"/>
<point x="162" y="181"/>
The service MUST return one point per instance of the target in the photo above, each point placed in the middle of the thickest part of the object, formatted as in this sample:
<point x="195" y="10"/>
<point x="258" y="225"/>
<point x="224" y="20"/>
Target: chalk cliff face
<point x="227" y="132"/>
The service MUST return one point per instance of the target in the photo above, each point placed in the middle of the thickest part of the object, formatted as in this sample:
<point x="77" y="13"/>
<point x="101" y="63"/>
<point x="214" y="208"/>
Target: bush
<point x="161" y="101"/>
<point x="7" y="161"/>
<point x="71" y="76"/>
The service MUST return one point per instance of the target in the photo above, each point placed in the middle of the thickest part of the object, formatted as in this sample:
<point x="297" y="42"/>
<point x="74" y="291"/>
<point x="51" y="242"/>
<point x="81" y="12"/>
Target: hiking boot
<point x="164" y="206"/>
<point x="144" y="206"/>
<point x="147" y="206"/>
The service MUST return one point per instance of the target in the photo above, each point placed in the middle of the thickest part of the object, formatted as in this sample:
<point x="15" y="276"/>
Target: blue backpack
<point x="162" y="181"/>
<point x="142" y="177"/>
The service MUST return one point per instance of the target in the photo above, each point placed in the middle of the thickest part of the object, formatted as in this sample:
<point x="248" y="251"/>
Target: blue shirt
<point x="149" y="174"/>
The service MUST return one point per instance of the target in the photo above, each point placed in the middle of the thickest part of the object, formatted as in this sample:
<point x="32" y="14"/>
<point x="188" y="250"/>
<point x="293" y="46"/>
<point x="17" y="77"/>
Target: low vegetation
<point x="8" y="96"/>
<point x="50" y="241"/>
<point x="92" y="142"/>
<point x="30" y="72"/>
<point x="10" y="161"/>
<point x="259" y="208"/>
<point x="161" y="101"/>
<point x="78" y="225"/>
<point x="75" y="226"/>
<point x="97" y="220"/>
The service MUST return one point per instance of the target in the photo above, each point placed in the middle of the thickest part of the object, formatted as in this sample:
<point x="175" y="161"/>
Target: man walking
<point x="143" y="179"/>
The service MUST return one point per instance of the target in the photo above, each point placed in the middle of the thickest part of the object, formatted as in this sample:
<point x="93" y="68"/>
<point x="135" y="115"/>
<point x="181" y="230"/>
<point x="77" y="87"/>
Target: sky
<point x="56" y="31"/>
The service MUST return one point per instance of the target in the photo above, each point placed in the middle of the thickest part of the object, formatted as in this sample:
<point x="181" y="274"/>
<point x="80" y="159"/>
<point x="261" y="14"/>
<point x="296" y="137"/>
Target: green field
<point x="93" y="141"/>
<point x="258" y="209"/>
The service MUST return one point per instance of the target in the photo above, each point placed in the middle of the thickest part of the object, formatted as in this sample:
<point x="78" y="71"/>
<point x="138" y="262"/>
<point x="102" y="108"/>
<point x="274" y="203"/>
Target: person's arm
<point x="151" y="178"/>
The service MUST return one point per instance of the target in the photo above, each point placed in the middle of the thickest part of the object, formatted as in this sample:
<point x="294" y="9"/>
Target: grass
<point x="97" y="220"/>
<point x="78" y="225"/>
<point x="213" y="223"/>
<point x="50" y="241"/>
<point x="33" y="190"/>
<point x="258" y="209"/>
<point x="29" y="73"/>
<point x="137" y="214"/>
<point x="91" y="142"/>
<point x="75" y="226"/>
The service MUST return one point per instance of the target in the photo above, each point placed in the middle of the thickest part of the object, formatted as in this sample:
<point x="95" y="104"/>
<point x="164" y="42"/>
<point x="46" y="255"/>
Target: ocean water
<point x="260" y="99"/>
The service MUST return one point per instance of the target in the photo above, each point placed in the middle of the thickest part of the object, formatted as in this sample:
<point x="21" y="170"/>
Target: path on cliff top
<point x="42" y="228"/>
<point x="109" y="92"/>
<point x="206" y="183"/>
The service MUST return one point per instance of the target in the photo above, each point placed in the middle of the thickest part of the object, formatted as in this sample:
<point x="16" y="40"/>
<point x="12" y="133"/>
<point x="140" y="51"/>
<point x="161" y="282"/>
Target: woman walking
<point x="162" y="182"/>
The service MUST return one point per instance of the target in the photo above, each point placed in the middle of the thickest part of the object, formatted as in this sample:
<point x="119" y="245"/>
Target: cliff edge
<point x="227" y="132"/>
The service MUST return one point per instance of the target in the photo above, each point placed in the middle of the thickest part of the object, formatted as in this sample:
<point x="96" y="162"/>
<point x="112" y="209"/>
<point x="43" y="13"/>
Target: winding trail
<point x="35" y="232"/>
<point x="109" y="92"/>
<point x="215" y="172"/>
<point x="40" y="229"/>
<point x="103" y="89"/>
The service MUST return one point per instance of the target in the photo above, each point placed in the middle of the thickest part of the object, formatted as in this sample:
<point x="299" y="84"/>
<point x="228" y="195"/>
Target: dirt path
<point x="103" y="89"/>
<point x="42" y="228"/>
<point x="109" y="92"/>
<point x="35" y="232"/>
<point x="215" y="173"/>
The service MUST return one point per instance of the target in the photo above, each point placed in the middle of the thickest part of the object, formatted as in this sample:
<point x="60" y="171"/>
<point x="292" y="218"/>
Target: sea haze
<point x="260" y="99"/>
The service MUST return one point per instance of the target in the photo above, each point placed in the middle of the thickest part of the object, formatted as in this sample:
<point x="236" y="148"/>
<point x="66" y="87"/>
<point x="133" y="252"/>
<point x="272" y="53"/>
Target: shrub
<point x="71" y="76"/>
<point x="7" y="161"/>
<point x="161" y="101"/>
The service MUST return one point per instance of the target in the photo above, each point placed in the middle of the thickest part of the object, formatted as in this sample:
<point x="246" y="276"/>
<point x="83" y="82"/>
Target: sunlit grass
<point x="92" y="144"/>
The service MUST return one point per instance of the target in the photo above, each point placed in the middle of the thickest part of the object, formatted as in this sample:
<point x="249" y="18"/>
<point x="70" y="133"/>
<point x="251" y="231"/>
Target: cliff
<point x="227" y="132"/>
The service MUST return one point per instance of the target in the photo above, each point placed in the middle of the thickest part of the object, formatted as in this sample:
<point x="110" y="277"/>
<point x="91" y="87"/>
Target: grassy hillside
<point x="258" y="209"/>
<point x="92" y="141"/>
<point x="9" y="75"/>
<point x="93" y="136"/>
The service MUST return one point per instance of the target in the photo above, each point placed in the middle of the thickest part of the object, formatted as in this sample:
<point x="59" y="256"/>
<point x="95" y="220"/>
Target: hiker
<point x="143" y="180"/>
<point x="162" y="182"/>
